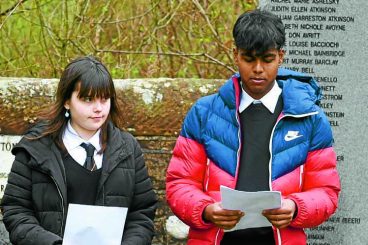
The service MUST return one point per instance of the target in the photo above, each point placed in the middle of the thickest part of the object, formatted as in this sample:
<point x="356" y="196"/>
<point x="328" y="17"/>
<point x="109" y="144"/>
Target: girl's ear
<point x="66" y="105"/>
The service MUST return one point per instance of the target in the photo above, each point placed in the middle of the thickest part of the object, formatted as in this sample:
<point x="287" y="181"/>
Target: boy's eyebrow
<point x="254" y="54"/>
<point x="246" y="53"/>
<point x="267" y="55"/>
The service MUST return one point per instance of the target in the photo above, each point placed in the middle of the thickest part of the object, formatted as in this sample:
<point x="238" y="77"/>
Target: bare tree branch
<point x="10" y="11"/>
<point x="147" y="53"/>
<point x="214" y="60"/>
<point x="12" y="8"/>
<point x="44" y="39"/>
<point x="157" y="38"/>
<point x="214" y="32"/>
<point x="219" y="62"/>
<point x="125" y="20"/>
<point x="203" y="13"/>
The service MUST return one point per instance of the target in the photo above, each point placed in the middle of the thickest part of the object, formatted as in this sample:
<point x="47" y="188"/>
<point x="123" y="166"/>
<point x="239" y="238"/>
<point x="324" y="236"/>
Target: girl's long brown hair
<point x="92" y="79"/>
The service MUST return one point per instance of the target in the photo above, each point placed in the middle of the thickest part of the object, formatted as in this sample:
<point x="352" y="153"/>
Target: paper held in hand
<point x="252" y="204"/>
<point x="94" y="225"/>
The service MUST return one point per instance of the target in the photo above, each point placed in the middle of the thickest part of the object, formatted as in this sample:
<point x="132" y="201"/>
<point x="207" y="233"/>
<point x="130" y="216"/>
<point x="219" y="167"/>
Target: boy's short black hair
<point x="259" y="31"/>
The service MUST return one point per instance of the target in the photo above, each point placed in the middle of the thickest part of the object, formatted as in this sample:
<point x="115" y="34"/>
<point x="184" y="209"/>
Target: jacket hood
<point x="44" y="155"/>
<point x="38" y="147"/>
<point x="300" y="92"/>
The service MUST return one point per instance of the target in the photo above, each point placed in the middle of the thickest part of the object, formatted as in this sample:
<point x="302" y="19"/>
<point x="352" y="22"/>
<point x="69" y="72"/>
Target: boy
<point x="262" y="131"/>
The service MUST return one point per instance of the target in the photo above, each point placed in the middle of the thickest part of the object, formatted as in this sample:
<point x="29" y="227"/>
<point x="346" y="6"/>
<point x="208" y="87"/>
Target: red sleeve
<point x="184" y="182"/>
<point x="321" y="186"/>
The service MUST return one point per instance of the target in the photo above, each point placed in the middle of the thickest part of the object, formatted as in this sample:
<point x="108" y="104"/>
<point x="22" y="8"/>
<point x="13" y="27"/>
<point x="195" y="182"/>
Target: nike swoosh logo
<point x="292" y="135"/>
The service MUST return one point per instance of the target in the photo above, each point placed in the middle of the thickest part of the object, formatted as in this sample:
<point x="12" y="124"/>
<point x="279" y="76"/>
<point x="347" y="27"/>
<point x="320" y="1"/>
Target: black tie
<point x="89" y="163"/>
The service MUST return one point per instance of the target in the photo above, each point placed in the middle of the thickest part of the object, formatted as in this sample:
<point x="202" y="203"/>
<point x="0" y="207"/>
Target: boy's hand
<point x="222" y="218"/>
<point x="282" y="217"/>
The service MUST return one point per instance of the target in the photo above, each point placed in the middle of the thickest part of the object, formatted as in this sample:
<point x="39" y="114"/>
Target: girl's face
<point x="87" y="114"/>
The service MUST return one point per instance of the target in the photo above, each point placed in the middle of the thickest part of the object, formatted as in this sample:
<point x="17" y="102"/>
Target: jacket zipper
<point x="239" y="148"/>
<point x="207" y="175"/>
<point x="62" y="205"/>
<point x="217" y="234"/>
<point x="103" y="195"/>
<point x="61" y="197"/>
<point x="206" y="189"/>
<point x="237" y="161"/>
<point x="301" y="177"/>
<point x="270" y="149"/>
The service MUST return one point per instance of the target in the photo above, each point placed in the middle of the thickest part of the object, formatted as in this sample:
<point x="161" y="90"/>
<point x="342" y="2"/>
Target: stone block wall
<point x="153" y="111"/>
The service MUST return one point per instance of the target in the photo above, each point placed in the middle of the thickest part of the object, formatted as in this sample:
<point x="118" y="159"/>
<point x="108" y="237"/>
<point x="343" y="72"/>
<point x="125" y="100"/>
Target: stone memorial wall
<point x="328" y="39"/>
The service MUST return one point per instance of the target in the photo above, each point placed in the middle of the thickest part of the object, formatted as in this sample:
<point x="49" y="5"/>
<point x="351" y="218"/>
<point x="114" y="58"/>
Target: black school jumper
<point x="81" y="182"/>
<point x="257" y="123"/>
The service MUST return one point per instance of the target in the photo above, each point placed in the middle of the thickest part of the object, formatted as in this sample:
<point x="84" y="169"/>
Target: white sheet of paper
<point x="252" y="203"/>
<point x="94" y="225"/>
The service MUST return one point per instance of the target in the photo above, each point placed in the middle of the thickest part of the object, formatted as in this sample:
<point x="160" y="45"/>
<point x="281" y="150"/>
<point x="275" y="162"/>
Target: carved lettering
<point x="326" y="62"/>
<point x="6" y="146"/>
<point x="316" y="236"/>
<point x="325" y="44"/>
<point x="325" y="1"/>
<point x="299" y="52"/>
<point x="312" y="18"/>
<point x="280" y="1"/>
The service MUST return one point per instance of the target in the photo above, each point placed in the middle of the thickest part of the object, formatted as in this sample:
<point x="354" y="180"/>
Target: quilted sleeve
<point x="19" y="214"/>
<point x="185" y="174"/>
<point x="139" y="226"/>
<point x="318" y="199"/>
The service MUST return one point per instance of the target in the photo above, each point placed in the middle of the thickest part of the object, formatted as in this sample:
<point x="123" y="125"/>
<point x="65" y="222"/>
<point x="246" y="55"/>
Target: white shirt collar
<point x="269" y="100"/>
<point x="71" y="139"/>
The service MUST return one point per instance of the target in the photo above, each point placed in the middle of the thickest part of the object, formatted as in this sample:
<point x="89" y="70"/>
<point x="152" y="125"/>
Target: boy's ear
<point x="281" y="55"/>
<point x="235" y="53"/>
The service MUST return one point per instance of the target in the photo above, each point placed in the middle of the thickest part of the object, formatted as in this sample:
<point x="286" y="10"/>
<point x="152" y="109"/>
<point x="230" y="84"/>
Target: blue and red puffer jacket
<point x="206" y="155"/>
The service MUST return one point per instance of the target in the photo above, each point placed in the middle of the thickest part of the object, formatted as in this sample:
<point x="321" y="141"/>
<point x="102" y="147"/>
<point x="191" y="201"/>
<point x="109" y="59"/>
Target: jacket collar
<point x="118" y="149"/>
<point x="46" y="156"/>
<point x="269" y="100"/>
<point x="300" y="92"/>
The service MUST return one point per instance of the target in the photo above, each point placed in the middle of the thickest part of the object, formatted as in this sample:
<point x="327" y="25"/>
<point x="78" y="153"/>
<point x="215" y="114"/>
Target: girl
<point x="78" y="155"/>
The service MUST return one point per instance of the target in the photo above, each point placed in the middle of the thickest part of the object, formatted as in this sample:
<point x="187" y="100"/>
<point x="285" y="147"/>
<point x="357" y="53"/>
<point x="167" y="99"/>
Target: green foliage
<point x="142" y="38"/>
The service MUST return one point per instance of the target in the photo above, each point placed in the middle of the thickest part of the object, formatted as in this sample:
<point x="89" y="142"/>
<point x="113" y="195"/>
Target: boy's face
<point x="258" y="71"/>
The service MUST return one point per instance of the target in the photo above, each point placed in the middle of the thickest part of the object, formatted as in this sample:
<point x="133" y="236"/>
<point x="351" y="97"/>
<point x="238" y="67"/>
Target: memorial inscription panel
<point x="6" y="158"/>
<point x="328" y="39"/>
